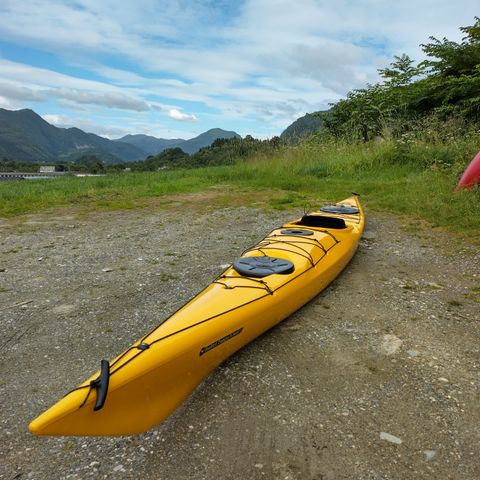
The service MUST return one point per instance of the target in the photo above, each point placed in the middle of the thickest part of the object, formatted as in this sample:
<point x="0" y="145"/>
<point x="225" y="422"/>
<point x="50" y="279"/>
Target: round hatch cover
<point x="297" y="231"/>
<point x="262" y="266"/>
<point x="340" y="209"/>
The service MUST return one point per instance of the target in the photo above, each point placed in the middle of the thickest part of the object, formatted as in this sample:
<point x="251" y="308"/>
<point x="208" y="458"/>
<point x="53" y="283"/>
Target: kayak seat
<point x="322" y="222"/>
<point x="262" y="266"/>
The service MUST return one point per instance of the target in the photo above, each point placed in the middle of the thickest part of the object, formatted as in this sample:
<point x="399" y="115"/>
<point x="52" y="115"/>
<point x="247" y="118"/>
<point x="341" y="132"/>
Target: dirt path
<point x="377" y="378"/>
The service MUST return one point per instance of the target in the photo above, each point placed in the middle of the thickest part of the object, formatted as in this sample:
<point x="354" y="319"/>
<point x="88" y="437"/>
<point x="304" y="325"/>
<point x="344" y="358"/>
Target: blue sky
<point x="175" y="68"/>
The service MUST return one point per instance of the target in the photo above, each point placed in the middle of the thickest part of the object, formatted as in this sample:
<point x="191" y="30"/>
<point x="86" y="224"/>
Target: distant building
<point x="51" y="168"/>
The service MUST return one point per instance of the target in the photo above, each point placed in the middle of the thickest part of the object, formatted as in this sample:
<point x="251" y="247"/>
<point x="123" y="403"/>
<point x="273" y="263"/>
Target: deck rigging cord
<point x="266" y="244"/>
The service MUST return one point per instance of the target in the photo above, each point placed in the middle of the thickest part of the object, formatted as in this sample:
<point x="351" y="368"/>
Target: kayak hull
<point x="471" y="175"/>
<point x="154" y="376"/>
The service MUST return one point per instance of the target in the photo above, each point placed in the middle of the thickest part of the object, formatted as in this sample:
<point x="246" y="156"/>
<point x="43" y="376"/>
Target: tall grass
<point x="413" y="177"/>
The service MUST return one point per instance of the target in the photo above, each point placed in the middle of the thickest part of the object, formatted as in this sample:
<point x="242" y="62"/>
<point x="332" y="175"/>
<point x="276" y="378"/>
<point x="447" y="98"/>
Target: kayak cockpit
<point x="322" y="221"/>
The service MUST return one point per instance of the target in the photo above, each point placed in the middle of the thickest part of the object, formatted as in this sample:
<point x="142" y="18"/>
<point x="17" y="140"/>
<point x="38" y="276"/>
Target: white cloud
<point x="182" y="117"/>
<point x="18" y="92"/>
<point x="86" y="125"/>
<point x="6" y="103"/>
<point x="28" y="83"/>
<point x="107" y="99"/>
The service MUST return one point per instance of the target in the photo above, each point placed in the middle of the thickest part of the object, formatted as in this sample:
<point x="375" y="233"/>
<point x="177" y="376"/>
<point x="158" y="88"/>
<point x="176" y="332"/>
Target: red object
<point x="471" y="175"/>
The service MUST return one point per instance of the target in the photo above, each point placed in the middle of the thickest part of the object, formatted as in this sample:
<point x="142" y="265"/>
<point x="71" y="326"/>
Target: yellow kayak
<point x="147" y="382"/>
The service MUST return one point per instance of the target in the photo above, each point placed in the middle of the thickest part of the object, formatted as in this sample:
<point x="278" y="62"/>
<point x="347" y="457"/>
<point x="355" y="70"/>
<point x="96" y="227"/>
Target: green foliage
<point x="401" y="72"/>
<point x="449" y="58"/>
<point x="223" y="151"/>
<point x="88" y="163"/>
<point x="171" y="157"/>
<point x="7" y="165"/>
<point x="445" y="85"/>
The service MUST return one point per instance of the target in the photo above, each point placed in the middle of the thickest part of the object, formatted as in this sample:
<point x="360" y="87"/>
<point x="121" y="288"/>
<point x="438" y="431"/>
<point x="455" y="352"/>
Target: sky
<point x="176" y="68"/>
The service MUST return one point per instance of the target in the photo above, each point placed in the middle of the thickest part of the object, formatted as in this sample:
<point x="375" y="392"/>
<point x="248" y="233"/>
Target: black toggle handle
<point x="101" y="384"/>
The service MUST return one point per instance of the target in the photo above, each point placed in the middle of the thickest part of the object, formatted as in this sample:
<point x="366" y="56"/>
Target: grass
<point x="415" y="180"/>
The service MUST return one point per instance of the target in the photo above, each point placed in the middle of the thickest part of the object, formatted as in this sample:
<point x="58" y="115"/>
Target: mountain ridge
<point x="26" y="136"/>
<point x="153" y="145"/>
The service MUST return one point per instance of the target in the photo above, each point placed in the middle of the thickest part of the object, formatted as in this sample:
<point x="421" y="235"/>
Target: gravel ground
<point x="376" y="378"/>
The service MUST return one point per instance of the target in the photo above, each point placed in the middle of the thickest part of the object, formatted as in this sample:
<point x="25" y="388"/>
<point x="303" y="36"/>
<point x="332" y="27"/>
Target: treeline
<point x="85" y="164"/>
<point x="7" y="165"/>
<point x="443" y="87"/>
<point x="223" y="151"/>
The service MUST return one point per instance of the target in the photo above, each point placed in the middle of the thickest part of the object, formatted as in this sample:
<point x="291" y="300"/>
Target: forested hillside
<point x="302" y="128"/>
<point x="26" y="137"/>
<point x="223" y="151"/>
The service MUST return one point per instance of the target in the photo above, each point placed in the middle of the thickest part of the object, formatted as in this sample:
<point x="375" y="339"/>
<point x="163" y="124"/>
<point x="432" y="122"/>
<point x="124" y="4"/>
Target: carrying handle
<point x="101" y="384"/>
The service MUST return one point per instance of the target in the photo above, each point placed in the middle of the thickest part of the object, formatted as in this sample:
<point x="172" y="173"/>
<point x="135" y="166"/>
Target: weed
<point x="475" y="297"/>
<point x="12" y="250"/>
<point x="371" y="365"/>
<point x="68" y="445"/>
<point x="165" y="277"/>
<point x="454" y="303"/>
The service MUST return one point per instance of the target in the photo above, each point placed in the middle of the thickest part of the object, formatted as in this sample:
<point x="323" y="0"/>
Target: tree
<point x="450" y="58"/>
<point x="401" y="72"/>
<point x="92" y="164"/>
<point x="446" y="84"/>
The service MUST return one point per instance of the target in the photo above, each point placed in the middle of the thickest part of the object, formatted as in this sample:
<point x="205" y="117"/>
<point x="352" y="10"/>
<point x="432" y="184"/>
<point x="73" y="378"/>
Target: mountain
<point x="25" y="136"/>
<point x="152" y="145"/>
<point x="302" y="127"/>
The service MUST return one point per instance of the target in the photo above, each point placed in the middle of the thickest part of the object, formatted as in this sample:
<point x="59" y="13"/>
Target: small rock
<point x="390" y="438"/>
<point x="259" y="465"/>
<point x="430" y="454"/>
<point x="106" y="269"/>
<point x="413" y="353"/>
<point x="391" y="344"/>
<point x="369" y="235"/>
<point x="63" y="309"/>
<point x="119" y="468"/>
<point x="443" y="379"/>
